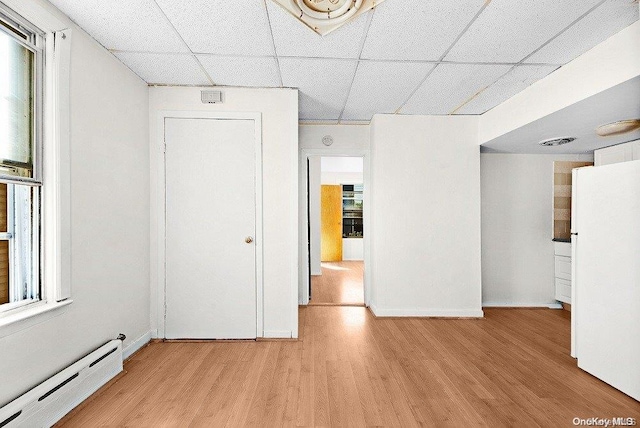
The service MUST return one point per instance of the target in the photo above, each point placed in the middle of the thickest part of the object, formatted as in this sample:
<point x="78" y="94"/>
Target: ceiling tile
<point x="450" y="85"/>
<point x="221" y="27"/>
<point x="167" y="69"/>
<point x="241" y="71"/>
<point x="417" y="30"/>
<point x="293" y="38"/>
<point x="382" y="87"/>
<point x="323" y="84"/>
<point x="508" y="31"/>
<point x="606" y="20"/>
<point x="519" y="78"/>
<point x="124" y="25"/>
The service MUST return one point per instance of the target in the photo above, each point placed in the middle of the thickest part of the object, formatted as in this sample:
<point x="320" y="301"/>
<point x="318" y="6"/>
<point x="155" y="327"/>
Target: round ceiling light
<point x="328" y="11"/>
<point x="556" y="141"/>
<point x="619" y="127"/>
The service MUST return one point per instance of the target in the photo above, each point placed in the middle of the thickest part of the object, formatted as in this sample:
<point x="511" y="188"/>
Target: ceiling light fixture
<point x="619" y="127"/>
<point x="321" y="12"/>
<point x="556" y="141"/>
<point x="324" y="16"/>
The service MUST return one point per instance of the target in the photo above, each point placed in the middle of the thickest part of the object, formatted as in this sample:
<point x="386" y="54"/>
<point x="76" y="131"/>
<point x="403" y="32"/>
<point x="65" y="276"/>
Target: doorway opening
<point x="336" y="230"/>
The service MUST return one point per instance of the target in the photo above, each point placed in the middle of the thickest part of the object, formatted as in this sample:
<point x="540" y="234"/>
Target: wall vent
<point x="556" y="141"/>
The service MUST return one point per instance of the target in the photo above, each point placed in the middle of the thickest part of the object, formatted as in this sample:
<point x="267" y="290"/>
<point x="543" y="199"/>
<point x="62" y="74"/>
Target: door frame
<point x="161" y="213"/>
<point x="303" y="276"/>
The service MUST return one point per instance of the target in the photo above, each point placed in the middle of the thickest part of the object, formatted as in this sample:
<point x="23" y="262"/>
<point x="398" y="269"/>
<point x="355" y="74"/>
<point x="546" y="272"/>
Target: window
<point x="21" y="89"/>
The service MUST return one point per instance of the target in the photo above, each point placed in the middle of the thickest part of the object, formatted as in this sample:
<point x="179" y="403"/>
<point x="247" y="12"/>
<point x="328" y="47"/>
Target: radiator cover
<point x="48" y="402"/>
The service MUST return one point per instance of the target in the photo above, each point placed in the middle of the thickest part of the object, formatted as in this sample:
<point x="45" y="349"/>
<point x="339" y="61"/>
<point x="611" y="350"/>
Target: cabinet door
<point x="563" y="267"/>
<point x="635" y="150"/>
<point x="563" y="290"/>
<point x="331" y="223"/>
<point x="615" y="154"/>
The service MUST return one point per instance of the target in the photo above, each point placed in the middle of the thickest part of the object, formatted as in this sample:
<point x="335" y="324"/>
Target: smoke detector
<point x="556" y="141"/>
<point x="327" y="140"/>
<point x="324" y="16"/>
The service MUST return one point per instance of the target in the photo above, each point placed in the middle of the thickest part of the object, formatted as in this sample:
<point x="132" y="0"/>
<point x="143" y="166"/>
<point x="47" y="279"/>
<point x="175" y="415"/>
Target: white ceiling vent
<point x="556" y="141"/>
<point x="324" y="16"/>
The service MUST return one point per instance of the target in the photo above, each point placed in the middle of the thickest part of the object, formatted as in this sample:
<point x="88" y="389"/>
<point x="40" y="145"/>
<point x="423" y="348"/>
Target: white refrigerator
<point x="606" y="273"/>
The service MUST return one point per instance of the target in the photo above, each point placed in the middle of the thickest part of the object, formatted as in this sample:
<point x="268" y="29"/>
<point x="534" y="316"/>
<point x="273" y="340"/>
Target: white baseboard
<point x="277" y="334"/>
<point x="522" y="305"/>
<point x="154" y="333"/>
<point x="135" y="345"/>
<point x="427" y="313"/>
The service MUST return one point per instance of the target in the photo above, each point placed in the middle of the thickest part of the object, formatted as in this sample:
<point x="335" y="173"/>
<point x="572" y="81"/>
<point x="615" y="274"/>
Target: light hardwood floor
<point x="341" y="283"/>
<point x="352" y="369"/>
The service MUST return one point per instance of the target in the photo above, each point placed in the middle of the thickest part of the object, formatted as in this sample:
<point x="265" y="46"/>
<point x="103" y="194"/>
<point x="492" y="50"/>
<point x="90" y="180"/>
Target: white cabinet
<point x="562" y="255"/>
<point x="352" y="249"/>
<point x="616" y="154"/>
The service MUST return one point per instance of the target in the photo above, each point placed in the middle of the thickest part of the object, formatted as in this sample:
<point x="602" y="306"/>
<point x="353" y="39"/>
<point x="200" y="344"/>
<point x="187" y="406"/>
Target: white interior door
<point x="210" y="173"/>
<point x="608" y="274"/>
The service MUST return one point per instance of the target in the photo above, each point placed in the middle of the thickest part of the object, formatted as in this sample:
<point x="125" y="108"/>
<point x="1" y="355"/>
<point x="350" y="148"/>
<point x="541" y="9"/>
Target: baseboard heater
<point x="48" y="402"/>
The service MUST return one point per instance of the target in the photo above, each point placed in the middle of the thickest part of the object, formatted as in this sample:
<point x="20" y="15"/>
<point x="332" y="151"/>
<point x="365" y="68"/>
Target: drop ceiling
<point x="403" y="56"/>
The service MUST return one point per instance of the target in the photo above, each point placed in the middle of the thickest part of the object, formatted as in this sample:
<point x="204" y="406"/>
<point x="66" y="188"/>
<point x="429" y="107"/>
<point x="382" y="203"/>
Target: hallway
<point x="341" y="283"/>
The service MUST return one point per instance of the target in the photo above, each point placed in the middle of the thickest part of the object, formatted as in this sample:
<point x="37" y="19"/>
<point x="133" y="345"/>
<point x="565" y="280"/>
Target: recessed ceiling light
<point x="556" y="141"/>
<point x="619" y="127"/>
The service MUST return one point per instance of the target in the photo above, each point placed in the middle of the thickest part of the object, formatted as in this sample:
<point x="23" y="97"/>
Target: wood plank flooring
<point x="341" y="283"/>
<point x="351" y="369"/>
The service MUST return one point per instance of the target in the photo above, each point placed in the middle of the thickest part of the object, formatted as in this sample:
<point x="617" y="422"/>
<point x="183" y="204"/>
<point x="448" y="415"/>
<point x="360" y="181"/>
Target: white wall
<point x="109" y="221"/>
<point x="315" y="206"/>
<point x="341" y="164"/>
<point x="345" y="138"/>
<point x="517" y="227"/>
<point x="425" y="216"/>
<point x="342" y="178"/>
<point x="279" y="109"/>
<point x="342" y="170"/>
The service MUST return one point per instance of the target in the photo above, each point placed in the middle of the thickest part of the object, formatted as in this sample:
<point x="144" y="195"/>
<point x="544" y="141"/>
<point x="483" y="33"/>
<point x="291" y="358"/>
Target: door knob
<point x="248" y="239"/>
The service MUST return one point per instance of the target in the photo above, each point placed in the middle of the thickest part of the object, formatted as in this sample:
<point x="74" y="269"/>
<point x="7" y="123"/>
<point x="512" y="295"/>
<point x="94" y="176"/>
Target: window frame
<point x="33" y="39"/>
<point x="51" y="162"/>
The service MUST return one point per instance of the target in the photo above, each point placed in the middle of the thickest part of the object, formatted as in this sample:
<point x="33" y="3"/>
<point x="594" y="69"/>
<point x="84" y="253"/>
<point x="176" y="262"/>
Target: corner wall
<point x="109" y="201"/>
<point x="425" y="216"/>
<point x="517" y="228"/>
<point x="279" y="110"/>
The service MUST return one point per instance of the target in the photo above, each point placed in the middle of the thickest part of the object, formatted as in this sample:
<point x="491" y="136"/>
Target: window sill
<point x="27" y="317"/>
